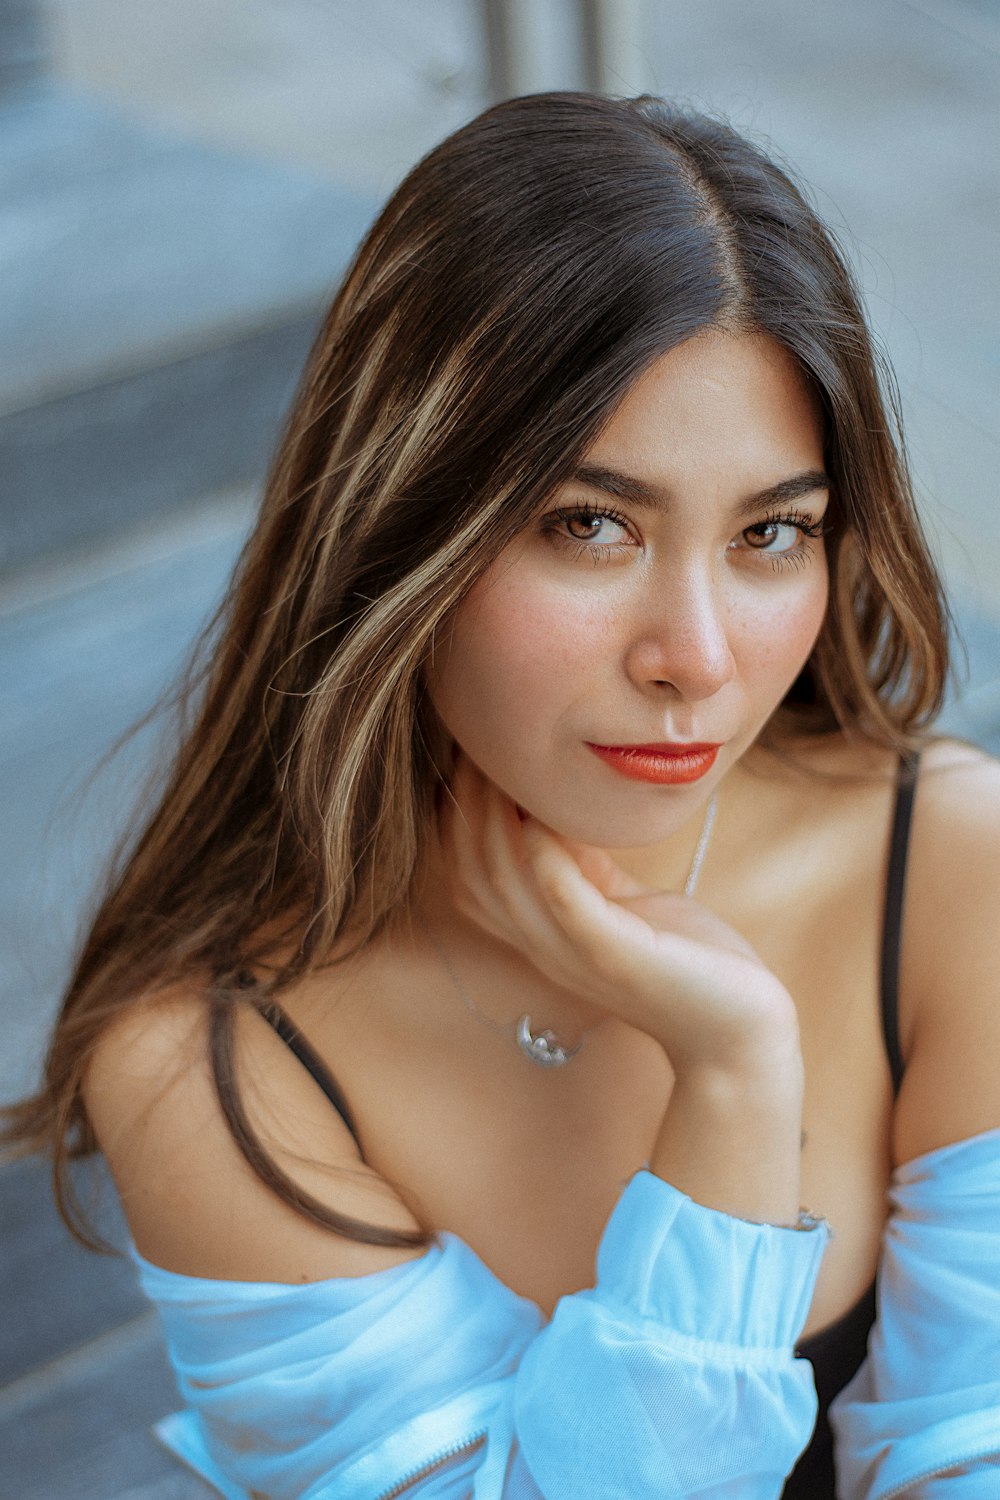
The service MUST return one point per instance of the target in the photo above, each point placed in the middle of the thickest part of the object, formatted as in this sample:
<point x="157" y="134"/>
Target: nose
<point x="680" y="640"/>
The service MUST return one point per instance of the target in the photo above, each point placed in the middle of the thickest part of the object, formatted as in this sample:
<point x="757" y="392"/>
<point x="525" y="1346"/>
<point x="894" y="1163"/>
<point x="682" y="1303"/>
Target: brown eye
<point x="771" y="536"/>
<point x="600" y="535"/>
<point x="584" y="525"/>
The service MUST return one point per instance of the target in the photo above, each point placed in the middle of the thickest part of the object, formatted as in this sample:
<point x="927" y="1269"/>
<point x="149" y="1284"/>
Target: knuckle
<point x="554" y="888"/>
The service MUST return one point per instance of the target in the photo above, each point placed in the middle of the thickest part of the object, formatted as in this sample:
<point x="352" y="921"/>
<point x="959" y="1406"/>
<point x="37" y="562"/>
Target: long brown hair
<point x="515" y="285"/>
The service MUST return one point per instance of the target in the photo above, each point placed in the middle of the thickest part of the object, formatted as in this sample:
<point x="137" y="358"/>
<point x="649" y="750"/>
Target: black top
<point x="835" y="1352"/>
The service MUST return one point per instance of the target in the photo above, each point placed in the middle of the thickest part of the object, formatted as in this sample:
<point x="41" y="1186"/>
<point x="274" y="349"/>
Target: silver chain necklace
<point x="544" y="1047"/>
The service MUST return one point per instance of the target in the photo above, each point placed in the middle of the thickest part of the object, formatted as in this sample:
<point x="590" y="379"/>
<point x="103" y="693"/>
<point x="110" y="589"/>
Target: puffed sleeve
<point x="673" y="1376"/>
<point x="921" y="1419"/>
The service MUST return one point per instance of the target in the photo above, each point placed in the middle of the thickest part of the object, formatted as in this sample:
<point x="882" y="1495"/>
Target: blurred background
<point x="183" y="182"/>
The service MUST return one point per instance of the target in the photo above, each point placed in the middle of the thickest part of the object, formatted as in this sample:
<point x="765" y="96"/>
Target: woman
<point x="587" y="575"/>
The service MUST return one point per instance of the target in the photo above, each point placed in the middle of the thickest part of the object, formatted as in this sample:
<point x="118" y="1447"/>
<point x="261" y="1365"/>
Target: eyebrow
<point x="651" y="497"/>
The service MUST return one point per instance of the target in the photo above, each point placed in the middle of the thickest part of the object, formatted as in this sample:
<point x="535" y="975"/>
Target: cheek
<point x="514" y="657"/>
<point x="776" y="642"/>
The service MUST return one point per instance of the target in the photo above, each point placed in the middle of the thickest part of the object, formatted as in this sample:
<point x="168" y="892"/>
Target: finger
<point x="489" y="872"/>
<point x="592" y="923"/>
<point x="509" y="872"/>
<point x="601" y="870"/>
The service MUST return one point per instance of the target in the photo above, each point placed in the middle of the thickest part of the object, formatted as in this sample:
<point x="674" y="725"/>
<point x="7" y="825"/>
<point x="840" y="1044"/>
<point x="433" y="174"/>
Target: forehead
<point x="717" y="401"/>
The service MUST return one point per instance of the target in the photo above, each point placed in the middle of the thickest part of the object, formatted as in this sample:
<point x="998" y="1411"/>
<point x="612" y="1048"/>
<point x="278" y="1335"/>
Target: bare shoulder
<point x="954" y="869"/>
<point x="950" y="977"/>
<point x="958" y="780"/>
<point x="193" y="1202"/>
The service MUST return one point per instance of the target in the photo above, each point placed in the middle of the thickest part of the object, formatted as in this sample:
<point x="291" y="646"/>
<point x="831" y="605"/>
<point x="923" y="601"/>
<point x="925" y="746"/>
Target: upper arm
<point x="193" y="1202"/>
<point x="950" y="986"/>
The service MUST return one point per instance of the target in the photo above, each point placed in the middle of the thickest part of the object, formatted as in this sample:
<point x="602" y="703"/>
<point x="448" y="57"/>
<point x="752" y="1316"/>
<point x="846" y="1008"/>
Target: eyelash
<point x="580" y="548"/>
<point x="795" y="556"/>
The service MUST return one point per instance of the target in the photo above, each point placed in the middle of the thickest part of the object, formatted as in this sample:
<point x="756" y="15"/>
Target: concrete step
<point x="86" y="647"/>
<point x="22" y="49"/>
<point x="81" y="1427"/>
<point x="83" y="1371"/>
<point x="57" y="1294"/>
<point x="160" y="298"/>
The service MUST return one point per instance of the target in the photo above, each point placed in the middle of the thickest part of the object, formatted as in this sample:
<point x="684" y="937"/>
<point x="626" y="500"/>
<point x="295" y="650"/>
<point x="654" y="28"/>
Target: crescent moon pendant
<point x="545" y="1049"/>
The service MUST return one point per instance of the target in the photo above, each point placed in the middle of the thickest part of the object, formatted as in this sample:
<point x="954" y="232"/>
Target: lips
<point x="660" y="764"/>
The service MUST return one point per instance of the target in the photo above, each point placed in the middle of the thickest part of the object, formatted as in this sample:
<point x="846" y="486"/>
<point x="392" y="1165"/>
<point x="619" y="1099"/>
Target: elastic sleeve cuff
<point x="706" y="1275"/>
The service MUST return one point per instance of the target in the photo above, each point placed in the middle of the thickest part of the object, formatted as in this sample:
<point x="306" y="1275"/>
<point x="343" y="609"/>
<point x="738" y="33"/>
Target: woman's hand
<point x="729" y="1137"/>
<point x="659" y="961"/>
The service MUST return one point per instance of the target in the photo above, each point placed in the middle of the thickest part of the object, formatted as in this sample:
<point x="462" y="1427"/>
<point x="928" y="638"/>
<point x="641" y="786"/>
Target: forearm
<point x="730" y="1138"/>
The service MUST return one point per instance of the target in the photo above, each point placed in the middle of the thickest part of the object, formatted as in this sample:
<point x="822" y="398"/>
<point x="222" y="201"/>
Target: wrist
<point x="730" y="1140"/>
<point x="766" y="1071"/>
<point x="708" y="1275"/>
<point x="767" y="1063"/>
<point x="758" y="1041"/>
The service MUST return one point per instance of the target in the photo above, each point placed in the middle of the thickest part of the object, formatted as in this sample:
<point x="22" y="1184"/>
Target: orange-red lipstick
<point x="663" y="765"/>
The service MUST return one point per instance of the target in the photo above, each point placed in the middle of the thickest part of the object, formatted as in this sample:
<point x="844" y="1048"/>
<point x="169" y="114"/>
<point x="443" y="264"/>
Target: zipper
<point x="469" y="1445"/>
<point x="938" y="1468"/>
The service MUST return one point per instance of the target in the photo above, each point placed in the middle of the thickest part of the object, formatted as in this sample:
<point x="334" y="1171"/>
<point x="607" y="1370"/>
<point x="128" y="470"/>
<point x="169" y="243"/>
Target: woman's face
<point x="666" y="596"/>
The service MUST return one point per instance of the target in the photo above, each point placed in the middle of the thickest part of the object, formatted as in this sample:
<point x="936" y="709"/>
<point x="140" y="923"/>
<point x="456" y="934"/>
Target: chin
<point x="637" y="828"/>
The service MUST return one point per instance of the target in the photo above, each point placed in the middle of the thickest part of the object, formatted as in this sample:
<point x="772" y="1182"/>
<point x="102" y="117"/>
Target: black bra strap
<point x="892" y="922"/>
<point x="311" y="1061"/>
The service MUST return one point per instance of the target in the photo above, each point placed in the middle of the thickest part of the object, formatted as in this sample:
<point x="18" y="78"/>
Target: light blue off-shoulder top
<point x="673" y="1376"/>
